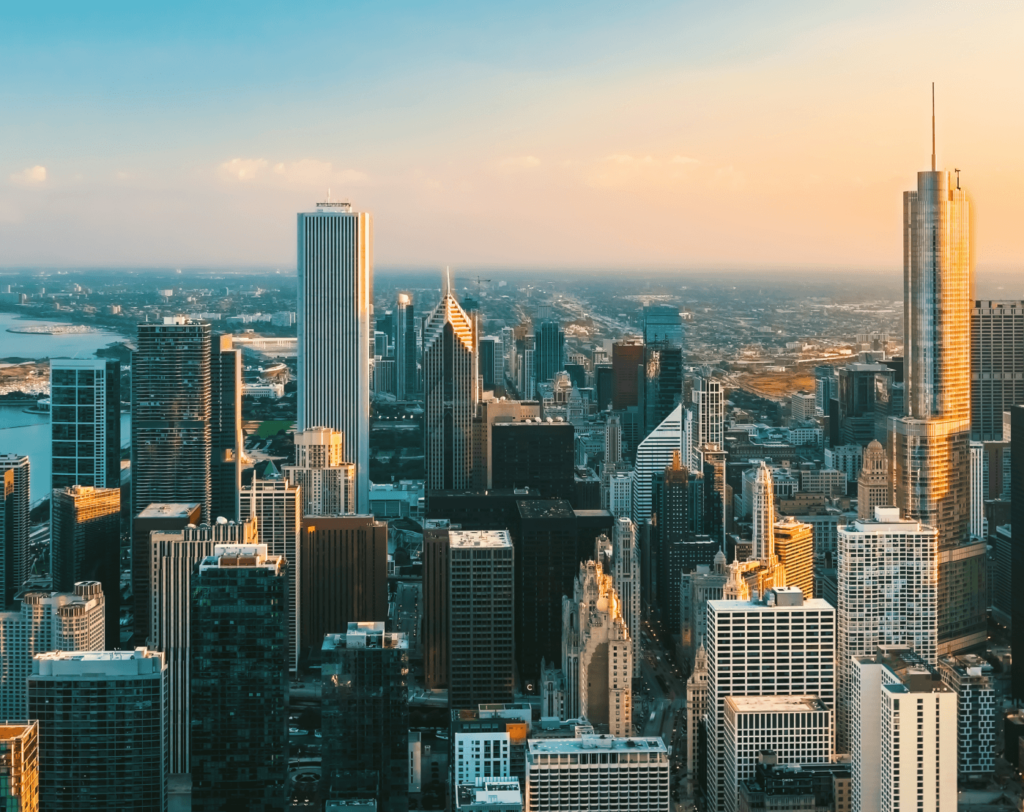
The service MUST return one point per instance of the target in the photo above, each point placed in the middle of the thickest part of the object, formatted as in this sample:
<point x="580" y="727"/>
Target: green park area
<point x="269" y="428"/>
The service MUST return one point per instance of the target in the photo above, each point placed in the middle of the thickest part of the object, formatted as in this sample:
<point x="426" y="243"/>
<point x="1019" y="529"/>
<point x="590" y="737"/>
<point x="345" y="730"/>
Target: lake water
<point x="36" y="345"/>
<point x="23" y="433"/>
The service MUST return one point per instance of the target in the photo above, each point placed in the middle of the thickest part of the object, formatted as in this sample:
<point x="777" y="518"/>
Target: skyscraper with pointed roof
<point x="763" y="515"/>
<point x="873" y="485"/>
<point x="450" y="393"/>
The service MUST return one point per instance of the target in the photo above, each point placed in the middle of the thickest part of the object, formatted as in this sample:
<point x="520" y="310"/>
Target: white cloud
<point x="33" y="176"/>
<point x="242" y="168"/>
<point x="310" y="172"/>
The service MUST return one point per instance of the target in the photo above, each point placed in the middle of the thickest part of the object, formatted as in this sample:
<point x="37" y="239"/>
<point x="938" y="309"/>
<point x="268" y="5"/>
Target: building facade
<point x="15" y="507"/>
<point x="328" y="483"/>
<point x="85" y="422"/>
<point x="997" y="365"/>
<point x="19" y="757"/>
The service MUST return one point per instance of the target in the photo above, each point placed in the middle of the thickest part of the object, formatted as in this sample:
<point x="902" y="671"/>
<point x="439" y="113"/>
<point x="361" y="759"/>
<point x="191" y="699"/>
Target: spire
<point x="448" y="279"/>
<point x="933" y="126"/>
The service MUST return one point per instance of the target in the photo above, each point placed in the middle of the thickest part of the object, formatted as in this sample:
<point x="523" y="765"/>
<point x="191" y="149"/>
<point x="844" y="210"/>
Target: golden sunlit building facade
<point x="19" y="766"/>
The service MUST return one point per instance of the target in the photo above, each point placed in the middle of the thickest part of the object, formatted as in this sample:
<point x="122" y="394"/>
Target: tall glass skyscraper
<point x="549" y="357"/>
<point x="225" y="429"/>
<point x="85" y="419"/>
<point x="335" y="270"/>
<point x="405" y="347"/>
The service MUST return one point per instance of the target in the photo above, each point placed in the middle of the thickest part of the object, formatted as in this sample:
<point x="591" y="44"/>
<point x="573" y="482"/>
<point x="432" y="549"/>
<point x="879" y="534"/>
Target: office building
<point x="490" y="412"/>
<point x="225" y="428"/>
<point x="450" y="393"/>
<point x="888" y="593"/>
<point x="171" y="415"/>
<point x="968" y="676"/>
<point x="366" y="710"/>
<point x="708" y="422"/>
<point x="335" y="280"/>
<point x="612" y="444"/>
<point x="847" y="458"/>
<point x="794" y="547"/>
<point x="796" y="787"/>
<point x="487" y="347"/>
<point x="85" y="422"/>
<point x="406" y="368"/>
<point x="275" y="504"/>
<point x="597" y="772"/>
<point x="903" y="743"/>
<point x="662" y="382"/>
<point x="481" y="748"/>
<point x="762" y="514"/>
<point x="165" y="517"/>
<point x="997" y="365"/>
<point x="240" y="662"/>
<point x="15" y="508"/>
<point x="626" y="578"/>
<point x="173" y="557"/>
<point x="481" y="623"/>
<point x="489" y="795"/>
<point x="655" y="453"/>
<point x="627" y="368"/>
<point x="326" y="480"/>
<point x="797" y="729"/>
<point x="344" y="578"/>
<point x="102" y="729"/>
<point x="549" y="356"/>
<point x="695" y="590"/>
<point x="1017" y="546"/>
<point x="46" y="621"/>
<point x="620" y="494"/>
<point x="856" y="403"/>
<point x="597" y="653"/>
<point x="19" y="758"/>
<point x="544" y="541"/>
<point x="534" y="454"/>
<point x="802" y="406"/>
<point x="873" y="486"/>
<point x="663" y="324"/>
<point x="436" y="597"/>
<point x="798" y="636"/>
<point x="696" y="707"/>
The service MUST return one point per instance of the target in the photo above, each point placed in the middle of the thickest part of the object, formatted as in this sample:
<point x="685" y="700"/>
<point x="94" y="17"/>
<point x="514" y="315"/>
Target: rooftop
<point x="771" y="704"/>
<point x="545" y="509"/>
<point x="588" y="742"/>
<point x="168" y="510"/>
<point x="365" y="635"/>
<point x="480" y="538"/>
<point x="814" y="604"/>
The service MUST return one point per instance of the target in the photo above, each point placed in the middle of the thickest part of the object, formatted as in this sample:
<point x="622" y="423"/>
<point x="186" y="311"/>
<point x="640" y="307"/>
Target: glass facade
<point x="85" y="413"/>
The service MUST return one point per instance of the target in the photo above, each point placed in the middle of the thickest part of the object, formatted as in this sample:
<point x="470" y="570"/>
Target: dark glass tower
<point x="240" y="658"/>
<point x="85" y="420"/>
<point x="225" y="429"/>
<point x="549" y="356"/>
<point x="1017" y="547"/>
<point x="538" y="456"/>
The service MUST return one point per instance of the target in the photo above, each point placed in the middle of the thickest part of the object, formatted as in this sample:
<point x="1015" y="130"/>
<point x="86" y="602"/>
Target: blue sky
<point x="579" y="134"/>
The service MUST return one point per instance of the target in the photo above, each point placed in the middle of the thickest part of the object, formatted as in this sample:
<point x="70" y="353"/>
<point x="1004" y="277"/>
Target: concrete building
<point x="276" y="506"/>
<point x="15" y="507"/>
<point x="997" y="364"/>
<point x="85" y="422"/>
<point x="326" y="480"/>
<point x="406" y="367"/>
<point x="489" y="795"/>
<point x="655" y="453"/>
<point x="874" y="488"/>
<point x="488" y="413"/>
<point x="828" y="481"/>
<point x="481" y="623"/>
<point x="888" y="592"/>
<point x="798" y="636"/>
<point x="802" y="406"/>
<point x="626" y="578"/>
<point x="335" y="280"/>
<point x="794" y="546"/>
<point x="46" y="621"/>
<point x="535" y="454"/>
<point x="708" y="426"/>
<point x="436" y="596"/>
<point x="597" y="772"/>
<point x="696" y="707"/>
<point x="86" y="758"/>
<point x="620" y="494"/>
<point x="19" y="756"/>
<point x="968" y="676"/>
<point x="226" y="444"/>
<point x="903" y="738"/>
<point x="798" y="729"/>
<point x="796" y="787"/>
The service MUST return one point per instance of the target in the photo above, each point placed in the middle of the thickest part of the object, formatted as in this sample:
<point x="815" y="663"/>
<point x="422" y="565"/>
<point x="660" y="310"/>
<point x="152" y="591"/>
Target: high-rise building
<point x="663" y="323"/>
<point x="19" y="758"/>
<point x="627" y="364"/>
<point x="802" y="406"/>
<point x="335" y="280"/>
<point x="597" y="772"/>
<point x="225" y="428"/>
<point x="612" y="443"/>
<point x="997" y="365"/>
<point x="171" y="415"/>
<point x="15" y="508"/>
<point x="597" y="653"/>
<point x="85" y="545"/>
<point x="549" y="356"/>
<point x="366" y="710"/>
<point x="490" y="412"/>
<point x="405" y="348"/>
<point x="489" y="795"/>
<point x="620" y="494"/>
<point x="535" y="455"/>
<point x="976" y="713"/>
<point x="488" y="348"/>
<point x="798" y="636"/>
<point x="344" y="576"/>
<point x="662" y="382"/>
<point x="102" y="729"/>
<point x="903" y="742"/>
<point x="931" y="459"/>
<point x="450" y="394"/>
<point x="888" y="583"/>
<point x="544" y="541"/>
<point x="46" y="621"/>
<point x="436" y="596"/>
<point x="240" y="662"/>
<point x="696" y="706"/>
<point x="626" y="577"/>
<point x="794" y="546"/>
<point x="708" y="402"/>
<point x="326" y="480"/>
<point x="1017" y="545"/>
<point x="856" y="403"/>
<point x="481" y="623"/>
<point x="85" y="422"/>
<point x="763" y="514"/>
<point x="654" y="454"/>
<point x="166" y="517"/>
<point x="275" y="504"/>
<point x="873" y="486"/>
<point x="173" y="557"/>
<point x="797" y="729"/>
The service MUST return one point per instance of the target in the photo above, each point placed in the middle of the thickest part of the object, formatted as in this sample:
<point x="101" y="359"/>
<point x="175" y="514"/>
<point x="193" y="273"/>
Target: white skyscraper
<point x="888" y="580"/>
<point x="620" y="494"/>
<point x="763" y="514"/>
<point x="335" y="279"/>
<point x="978" y="490"/>
<point x="327" y="482"/>
<point x="626" y="577"/>
<point x="654" y="454"/>
<point x="796" y="636"/>
<point x="709" y="415"/>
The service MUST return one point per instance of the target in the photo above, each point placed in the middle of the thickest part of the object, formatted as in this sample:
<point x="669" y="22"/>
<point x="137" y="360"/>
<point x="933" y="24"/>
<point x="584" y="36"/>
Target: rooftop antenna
<point x="447" y="280"/>
<point x="329" y="188"/>
<point x="957" y="179"/>
<point x="933" y="126"/>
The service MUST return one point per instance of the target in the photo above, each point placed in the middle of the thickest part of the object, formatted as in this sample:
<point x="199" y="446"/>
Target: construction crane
<point x="479" y="281"/>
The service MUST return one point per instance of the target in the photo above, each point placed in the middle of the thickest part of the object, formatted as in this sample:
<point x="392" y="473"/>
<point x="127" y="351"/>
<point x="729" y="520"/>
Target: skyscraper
<point x="85" y="545"/>
<point x="549" y="356"/>
<point x="709" y="416"/>
<point x="662" y="323"/>
<point x="19" y="757"/>
<point x="102" y="730"/>
<point x="627" y="364"/>
<point x="173" y="556"/>
<point x="240" y="662"/>
<point x="763" y="515"/>
<point x="931" y="459"/>
<point x="405" y="347"/>
<point x="85" y="422"/>
<point x="327" y="482"/>
<point x="335" y="279"/>
<point x="225" y="428"/>
<point x="366" y="710"/>
<point x="15" y="508"/>
<point x="997" y="365"/>
<point x="450" y="394"/>
<point x="171" y="409"/>
<point x="1017" y="544"/>
<point x="481" y="623"/>
<point x="873" y="486"/>
<point x="655" y="453"/>
<point x="536" y="455"/>
<point x="794" y="546"/>
<point x="626" y="577"/>
<point x="436" y="597"/>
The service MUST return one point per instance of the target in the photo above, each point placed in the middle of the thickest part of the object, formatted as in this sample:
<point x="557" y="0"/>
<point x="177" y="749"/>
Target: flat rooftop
<point x="168" y="510"/>
<point x="814" y="604"/>
<point x="772" y="704"/>
<point x="479" y="538"/>
<point x="545" y="509"/>
<point x="595" y="742"/>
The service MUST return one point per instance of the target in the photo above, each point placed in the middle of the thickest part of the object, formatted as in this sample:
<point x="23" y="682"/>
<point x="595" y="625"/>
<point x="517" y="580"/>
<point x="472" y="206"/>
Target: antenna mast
<point x="933" y="126"/>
